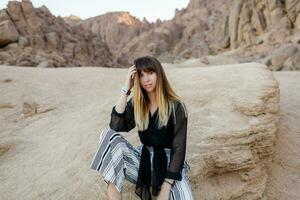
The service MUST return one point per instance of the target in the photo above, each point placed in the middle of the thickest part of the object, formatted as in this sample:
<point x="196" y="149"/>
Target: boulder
<point x="292" y="63"/>
<point x="280" y="55"/>
<point x="3" y="15"/>
<point x="8" y="33"/>
<point x="45" y="64"/>
<point x="232" y="129"/>
<point x="52" y="40"/>
<point x="45" y="33"/>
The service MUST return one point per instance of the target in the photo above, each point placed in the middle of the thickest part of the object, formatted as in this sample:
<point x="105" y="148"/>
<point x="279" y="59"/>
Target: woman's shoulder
<point x="179" y="104"/>
<point x="180" y="108"/>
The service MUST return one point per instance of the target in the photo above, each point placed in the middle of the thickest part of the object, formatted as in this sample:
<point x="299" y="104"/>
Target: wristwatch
<point x="124" y="90"/>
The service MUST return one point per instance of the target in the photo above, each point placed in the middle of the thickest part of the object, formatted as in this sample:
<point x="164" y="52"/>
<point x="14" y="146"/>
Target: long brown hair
<point x="165" y="94"/>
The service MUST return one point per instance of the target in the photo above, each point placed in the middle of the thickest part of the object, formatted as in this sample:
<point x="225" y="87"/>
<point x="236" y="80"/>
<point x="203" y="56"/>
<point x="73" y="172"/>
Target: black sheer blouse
<point x="172" y="136"/>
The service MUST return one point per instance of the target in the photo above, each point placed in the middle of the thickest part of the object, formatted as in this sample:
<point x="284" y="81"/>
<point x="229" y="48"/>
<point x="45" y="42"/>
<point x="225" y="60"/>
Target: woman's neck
<point x="152" y="98"/>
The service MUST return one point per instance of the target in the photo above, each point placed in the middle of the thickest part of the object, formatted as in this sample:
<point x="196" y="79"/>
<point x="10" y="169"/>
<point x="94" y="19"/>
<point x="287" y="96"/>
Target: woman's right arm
<point x="122" y="115"/>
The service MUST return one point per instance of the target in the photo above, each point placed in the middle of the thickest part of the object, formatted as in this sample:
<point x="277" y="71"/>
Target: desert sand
<point x="46" y="148"/>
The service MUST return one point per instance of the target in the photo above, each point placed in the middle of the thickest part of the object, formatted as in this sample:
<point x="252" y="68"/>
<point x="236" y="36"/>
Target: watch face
<point x="124" y="89"/>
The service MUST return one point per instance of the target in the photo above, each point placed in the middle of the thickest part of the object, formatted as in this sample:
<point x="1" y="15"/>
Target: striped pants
<point x="117" y="160"/>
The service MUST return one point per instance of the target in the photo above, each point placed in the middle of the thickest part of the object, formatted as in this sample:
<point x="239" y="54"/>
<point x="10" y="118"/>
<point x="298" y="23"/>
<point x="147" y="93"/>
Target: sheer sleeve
<point x="178" y="149"/>
<point x="123" y="122"/>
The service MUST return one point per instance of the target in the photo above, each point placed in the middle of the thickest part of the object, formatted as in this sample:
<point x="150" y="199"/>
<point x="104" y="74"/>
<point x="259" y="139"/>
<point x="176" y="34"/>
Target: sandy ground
<point x="35" y="157"/>
<point x="284" y="176"/>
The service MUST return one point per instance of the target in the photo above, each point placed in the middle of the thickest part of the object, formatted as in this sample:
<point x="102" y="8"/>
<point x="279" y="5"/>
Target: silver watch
<point x="124" y="90"/>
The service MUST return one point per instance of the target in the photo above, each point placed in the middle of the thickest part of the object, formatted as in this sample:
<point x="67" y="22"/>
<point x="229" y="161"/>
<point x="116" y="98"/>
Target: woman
<point x="161" y="118"/>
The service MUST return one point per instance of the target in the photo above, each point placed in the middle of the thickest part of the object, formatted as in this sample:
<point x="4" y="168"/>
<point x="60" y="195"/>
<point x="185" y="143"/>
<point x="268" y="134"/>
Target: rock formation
<point x="30" y="36"/>
<point x="233" y="122"/>
<point x="72" y="20"/>
<point x="232" y="136"/>
<point x="250" y="30"/>
<point x="116" y="29"/>
<point x="253" y="29"/>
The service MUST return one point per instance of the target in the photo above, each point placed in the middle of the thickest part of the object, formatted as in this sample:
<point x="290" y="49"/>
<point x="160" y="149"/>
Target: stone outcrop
<point x="232" y="130"/>
<point x="116" y="29"/>
<point x="72" y="20"/>
<point x="30" y="36"/>
<point x="8" y="33"/>
<point x="204" y="28"/>
<point x="233" y="122"/>
<point x="252" y="30"/>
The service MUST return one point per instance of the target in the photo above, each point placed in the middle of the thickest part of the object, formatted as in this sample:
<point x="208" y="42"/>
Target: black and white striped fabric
<point x="117" y="160"/>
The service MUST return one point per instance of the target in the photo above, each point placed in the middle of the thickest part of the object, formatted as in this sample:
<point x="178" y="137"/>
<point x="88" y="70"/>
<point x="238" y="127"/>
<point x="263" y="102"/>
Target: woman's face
<point x="148" y="80"/>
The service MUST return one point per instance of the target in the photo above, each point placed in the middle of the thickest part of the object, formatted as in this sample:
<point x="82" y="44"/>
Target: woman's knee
<point x="107" y="132"/>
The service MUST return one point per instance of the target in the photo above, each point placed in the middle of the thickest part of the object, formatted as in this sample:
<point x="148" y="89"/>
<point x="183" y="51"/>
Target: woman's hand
<point x="130" y="77"/>
<point x="164" y="192"/>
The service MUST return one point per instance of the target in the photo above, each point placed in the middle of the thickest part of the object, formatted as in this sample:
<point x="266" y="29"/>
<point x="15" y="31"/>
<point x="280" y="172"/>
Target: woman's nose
<point x="147" y="78"/>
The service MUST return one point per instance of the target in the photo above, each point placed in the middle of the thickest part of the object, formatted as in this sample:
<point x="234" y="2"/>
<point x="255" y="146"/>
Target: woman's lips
<point x="147" y="86"/>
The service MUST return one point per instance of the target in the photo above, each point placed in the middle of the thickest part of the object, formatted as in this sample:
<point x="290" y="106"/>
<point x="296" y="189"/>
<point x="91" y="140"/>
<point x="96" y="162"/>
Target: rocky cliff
<point x="34" y="37"/>
<point x="262" y="31"/>
<point x="265" y="31"/>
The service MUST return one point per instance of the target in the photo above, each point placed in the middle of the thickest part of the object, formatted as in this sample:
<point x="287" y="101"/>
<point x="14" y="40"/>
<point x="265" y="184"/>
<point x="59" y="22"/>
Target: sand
<point x="47" y="155"/>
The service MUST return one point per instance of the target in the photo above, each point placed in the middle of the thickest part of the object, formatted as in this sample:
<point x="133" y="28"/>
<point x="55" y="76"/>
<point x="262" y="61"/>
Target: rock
<point x="234" y="118"/>
<point x="280" y="55"/>
<point x="23" y="41"/>
<point x="44" y="34"/>
<point x="32" y="108"/>
<point x="4" y="56"/>
<point x="203" y="28"/>
<point x="232" y="134"/>
<point x="29" y="109"/>
<point x="69" y="50"/>
<point x="72" y="20"/>
<point x="297" y="22"/>
<point x="39" y="42"/>
<point x="8" y="33"/>
<point x="116" y="28"/>
<point x="292" y="63"/>
<point x="34" y="23"/>
<point x="3" y="15"/>
<point x="52" y="41"/>
<point x="14" y="10"/>
<point x="45" y="64"/>
<point x="13" y="47"/>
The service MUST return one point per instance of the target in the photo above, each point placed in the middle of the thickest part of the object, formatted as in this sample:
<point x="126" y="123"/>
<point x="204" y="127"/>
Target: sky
<point x="151" y="9"/>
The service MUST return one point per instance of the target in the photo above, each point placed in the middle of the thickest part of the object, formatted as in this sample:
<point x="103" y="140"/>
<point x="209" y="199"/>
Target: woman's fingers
<point x="132" y="71"/>
<point x="132" y="67"/>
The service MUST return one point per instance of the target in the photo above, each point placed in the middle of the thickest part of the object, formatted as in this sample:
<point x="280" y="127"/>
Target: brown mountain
<point x="216" y="31"/>
<point x="262" y="31"/>
<point x="33" y="36"/>
<point x="116" y="29"/>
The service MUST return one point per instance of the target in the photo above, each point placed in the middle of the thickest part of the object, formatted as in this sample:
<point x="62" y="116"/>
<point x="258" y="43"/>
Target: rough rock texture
<point x="8" y="33"/>
<point x="210" y="27"/>
<point x="254" y="29"/>
<point x="30" y="36"/>
<point x="72" y="20"/>
<point x="233" y="119"/>
<point x="115" y="28"/>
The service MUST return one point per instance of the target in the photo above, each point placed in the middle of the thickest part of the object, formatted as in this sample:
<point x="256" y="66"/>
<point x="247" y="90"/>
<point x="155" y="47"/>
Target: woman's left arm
<point x="177" y="151"/>
<point x="178" y="144"/>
